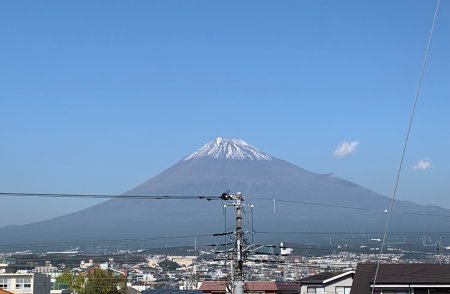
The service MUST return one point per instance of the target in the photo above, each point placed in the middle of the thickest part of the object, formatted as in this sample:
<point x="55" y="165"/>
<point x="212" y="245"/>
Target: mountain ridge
<point x="211" y="175"/>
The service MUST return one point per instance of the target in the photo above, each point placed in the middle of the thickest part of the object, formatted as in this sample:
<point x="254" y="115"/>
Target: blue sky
<point x="98" y="96"/>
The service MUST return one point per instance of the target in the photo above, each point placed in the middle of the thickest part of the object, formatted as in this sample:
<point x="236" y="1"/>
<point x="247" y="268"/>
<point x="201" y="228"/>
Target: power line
<point x="109" y="196"/>
<point x="424" y="214"/>
<point x="154" y="238"/>
<point x="309" y="203"/>
<point x="178" y="237"/>
<point x="381" y="210"/>
<point x="200" y="197"/>
<point x="351" y="233"/>
<point x="408" y="132"/>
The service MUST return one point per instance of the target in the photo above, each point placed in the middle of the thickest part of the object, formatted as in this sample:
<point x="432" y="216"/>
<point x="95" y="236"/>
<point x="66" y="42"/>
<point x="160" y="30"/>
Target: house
<point x="411" y="278"/>
<point x="171" y="291"/>
<point x="213" y="287"/>
<point x="269" y="287"/>
<point x="327" y="283"/>
<point x="25" y="283"/>
<point x="259" y="287"/>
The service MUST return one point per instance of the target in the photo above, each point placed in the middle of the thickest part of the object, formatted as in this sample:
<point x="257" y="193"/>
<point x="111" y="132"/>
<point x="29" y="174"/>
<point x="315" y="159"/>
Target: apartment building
<point x="25" y="283"/>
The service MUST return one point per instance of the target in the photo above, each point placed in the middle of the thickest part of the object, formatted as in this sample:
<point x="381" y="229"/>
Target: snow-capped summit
<point x="221" y="148"/>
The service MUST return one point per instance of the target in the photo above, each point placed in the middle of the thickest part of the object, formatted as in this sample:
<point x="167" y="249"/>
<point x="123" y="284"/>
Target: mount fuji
<point x="305" y="201"/>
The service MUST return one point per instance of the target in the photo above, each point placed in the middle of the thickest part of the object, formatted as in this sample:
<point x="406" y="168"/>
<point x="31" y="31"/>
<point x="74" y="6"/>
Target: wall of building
<point x="42" y="284"/>
<point x="331" y="288"/>
<point x="38" y="283"/>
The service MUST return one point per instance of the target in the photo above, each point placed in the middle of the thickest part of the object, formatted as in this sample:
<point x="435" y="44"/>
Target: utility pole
<point x="237" y="286"/>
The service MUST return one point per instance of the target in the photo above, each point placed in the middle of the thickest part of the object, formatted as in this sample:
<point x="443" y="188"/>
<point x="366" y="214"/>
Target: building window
<point x="5" y="283"/>
<point x="316" y="290"/>
<point x="23" y="283"/>
<point x="343" y="290"/>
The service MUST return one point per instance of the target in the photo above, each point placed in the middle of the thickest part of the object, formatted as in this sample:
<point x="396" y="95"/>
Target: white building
<point x="327" y="283"/>
<point x="25" y="283"/>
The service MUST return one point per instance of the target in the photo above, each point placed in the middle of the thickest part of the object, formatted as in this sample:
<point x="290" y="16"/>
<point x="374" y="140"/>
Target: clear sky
<point x="99" y="96"/>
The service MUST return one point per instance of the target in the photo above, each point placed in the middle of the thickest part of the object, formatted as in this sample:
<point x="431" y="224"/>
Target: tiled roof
<point x="251" y="286"/>
<point x="5" y="292"/>
<point x="287" y="286"/>
<point x="260" y="286"/>
<point x="213" y="286"/>
<point x="425" y="274"/>
<point x="270" y="286"/>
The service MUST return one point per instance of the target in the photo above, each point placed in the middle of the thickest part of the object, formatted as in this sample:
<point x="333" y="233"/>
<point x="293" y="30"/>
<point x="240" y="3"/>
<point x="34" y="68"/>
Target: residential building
<point x="327" y="283"/>
<point x="251" y="287"/>
<point x="171" y="291"/>
<point x="25" y="283"/>
<point x="7" y="265"/>
<point x="268" y="287"/>
<point x="213" y="287"/>
<point x="414" y="278"/>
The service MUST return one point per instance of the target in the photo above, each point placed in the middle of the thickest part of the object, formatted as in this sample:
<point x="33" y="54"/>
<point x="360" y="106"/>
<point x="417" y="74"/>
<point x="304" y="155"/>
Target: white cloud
<point x="345" y="149"/>
<point x="423" y="164"/>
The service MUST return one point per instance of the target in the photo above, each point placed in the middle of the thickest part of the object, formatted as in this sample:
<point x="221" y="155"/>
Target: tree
<point x="96" y="281"/>
<point x="169" y="265"/>
<point x="99" y="281"/>
<point x="73" y="281"/>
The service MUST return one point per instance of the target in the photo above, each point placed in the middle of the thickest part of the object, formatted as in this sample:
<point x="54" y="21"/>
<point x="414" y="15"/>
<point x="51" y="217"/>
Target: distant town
<point x="188" y="268"/>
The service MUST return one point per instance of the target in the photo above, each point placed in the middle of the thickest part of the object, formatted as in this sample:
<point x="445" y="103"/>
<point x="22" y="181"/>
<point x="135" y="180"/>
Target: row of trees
<point x="96" y="281"/>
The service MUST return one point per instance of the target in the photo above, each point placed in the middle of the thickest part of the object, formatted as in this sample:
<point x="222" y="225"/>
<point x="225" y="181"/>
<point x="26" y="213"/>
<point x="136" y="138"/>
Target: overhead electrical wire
<point x="175" y="237"/>
<point x="200" y="197"/>
<point x="352" y="233"/>
<point x="109" y="196"/>
<point x="154" y="238"/>
<point x="308" y="203"/>
<point x="405" y="145"/>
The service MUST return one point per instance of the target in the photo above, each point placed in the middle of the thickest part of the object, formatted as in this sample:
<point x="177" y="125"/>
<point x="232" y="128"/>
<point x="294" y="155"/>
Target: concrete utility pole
<point x="237" y="286"/>
<point x="238" y="283"/>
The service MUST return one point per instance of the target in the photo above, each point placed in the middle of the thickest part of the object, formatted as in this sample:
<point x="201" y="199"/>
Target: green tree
<point x="73" y="281"/>
<point x="99" y="281"/>
<point x="169" y="265"/>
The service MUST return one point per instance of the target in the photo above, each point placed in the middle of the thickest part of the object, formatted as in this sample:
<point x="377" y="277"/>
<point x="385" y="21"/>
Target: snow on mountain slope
<point x="221" y="148"/>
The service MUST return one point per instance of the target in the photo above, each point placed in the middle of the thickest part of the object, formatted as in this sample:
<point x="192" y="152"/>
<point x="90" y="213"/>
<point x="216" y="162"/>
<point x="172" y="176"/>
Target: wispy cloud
<point x="345" y="149"/>
<point x="423" y="164"/>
